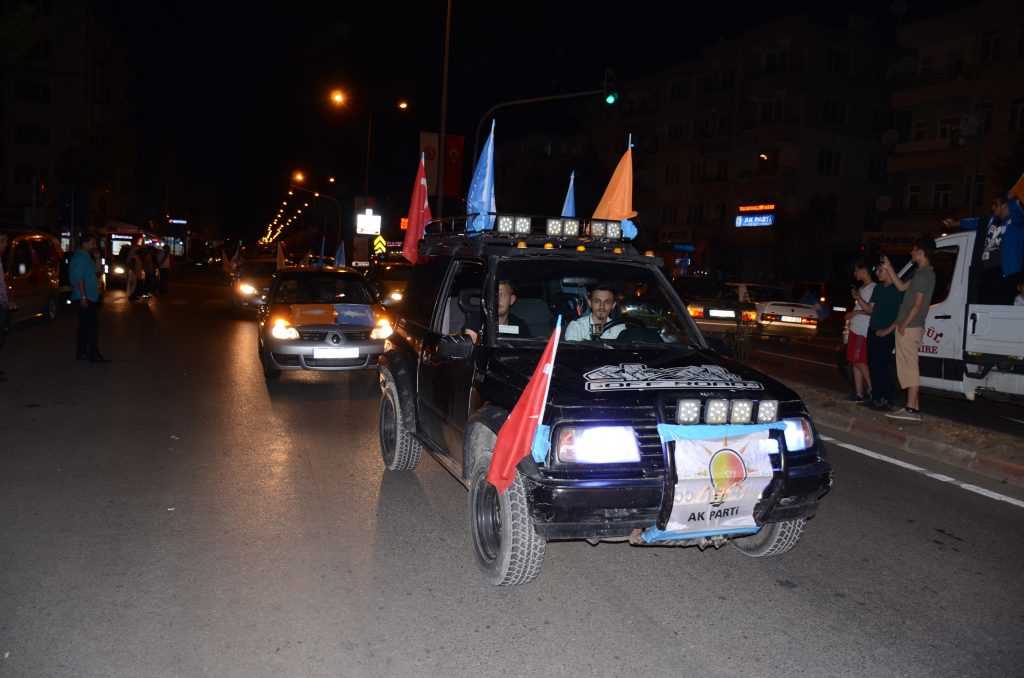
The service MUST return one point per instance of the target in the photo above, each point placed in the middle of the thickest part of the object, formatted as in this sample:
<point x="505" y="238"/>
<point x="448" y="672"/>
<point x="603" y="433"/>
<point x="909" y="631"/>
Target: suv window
<point x="424" y="286"/>
<point x="645" y="309"/>
<point x="461" y="309"/>
<point x="22" y="257"/>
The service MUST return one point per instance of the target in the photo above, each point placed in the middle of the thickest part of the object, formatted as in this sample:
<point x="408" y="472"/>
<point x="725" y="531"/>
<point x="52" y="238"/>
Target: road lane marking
<point x="791" y="357"/>
<point x="941" y="477"/>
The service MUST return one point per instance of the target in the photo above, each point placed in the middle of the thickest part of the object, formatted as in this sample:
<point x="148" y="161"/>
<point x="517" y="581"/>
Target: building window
<point x="23" y="174"/>
<point x="770" y="112"/>
<point x="984" y="113"/>
<point x="33" y="91"/>
<point x="31" y="135"/>
<point x="679" y="90"/>
<point x="829" y="162"/>
<point x="988" y="48"/>
<point x="949" y="129"/>
<point x="974" y="190"/>
<point x="837" y="61"/>
<point x="942" y="195"/>
<point x="833" y="112"/>
<point x="695" y="215"/>
<point x="676" y="131"/>
<point x="922" y="130"/>
<point x="1017" y="115"/>
<point x="725" y="125"/>
<point x="672" y="174"/>
<point x="913" y="197"/>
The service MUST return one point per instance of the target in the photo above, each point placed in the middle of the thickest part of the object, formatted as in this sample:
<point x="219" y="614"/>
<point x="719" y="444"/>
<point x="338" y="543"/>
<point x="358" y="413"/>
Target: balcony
<point x="926" y="154"/>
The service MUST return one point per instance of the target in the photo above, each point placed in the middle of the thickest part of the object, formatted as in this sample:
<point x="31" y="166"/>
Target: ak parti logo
<point x="727" y="470"/>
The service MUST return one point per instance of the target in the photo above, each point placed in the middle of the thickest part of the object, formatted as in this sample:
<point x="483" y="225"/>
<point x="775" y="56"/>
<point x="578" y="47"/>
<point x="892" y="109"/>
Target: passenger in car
<point x="508" y="324"/>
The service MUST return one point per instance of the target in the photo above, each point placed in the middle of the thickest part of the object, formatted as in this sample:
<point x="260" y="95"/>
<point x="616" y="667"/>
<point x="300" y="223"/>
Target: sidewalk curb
<point x="984" y="464"/>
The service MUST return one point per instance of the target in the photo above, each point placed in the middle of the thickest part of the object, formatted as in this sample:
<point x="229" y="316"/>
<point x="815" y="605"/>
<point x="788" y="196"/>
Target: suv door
<point x="444" y="382"/>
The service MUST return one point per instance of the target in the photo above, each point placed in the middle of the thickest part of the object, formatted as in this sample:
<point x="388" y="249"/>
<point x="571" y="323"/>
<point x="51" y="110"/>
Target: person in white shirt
<point x="596" y="325"/>
<point x="857" y="344"/>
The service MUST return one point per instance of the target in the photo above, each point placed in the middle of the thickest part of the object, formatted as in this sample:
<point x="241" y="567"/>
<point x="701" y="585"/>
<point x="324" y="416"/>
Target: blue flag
<point x="339" y="254"/>
<point x="480" y="200"/>
<point x="569" y="206"/>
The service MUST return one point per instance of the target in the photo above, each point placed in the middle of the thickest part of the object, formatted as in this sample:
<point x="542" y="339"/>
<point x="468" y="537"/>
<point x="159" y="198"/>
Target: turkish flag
<point x="515" y="439"/>
<point x="419" y="215"/>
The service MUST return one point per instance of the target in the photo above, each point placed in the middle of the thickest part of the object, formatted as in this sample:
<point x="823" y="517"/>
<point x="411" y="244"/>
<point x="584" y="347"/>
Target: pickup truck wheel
<point x="774" y="539"/>
<point x="398" y="448"/>
<point x="507" y="548"/>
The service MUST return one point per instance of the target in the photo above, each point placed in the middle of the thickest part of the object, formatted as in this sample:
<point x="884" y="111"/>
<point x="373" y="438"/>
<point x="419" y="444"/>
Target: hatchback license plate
<point x="335" y="353"/>
<point x="790" y="319"/>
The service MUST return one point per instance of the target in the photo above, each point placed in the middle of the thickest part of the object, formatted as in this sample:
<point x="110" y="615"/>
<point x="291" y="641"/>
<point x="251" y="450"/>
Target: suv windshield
<point x="599" y="301"/>
<point x="321" y="289"/>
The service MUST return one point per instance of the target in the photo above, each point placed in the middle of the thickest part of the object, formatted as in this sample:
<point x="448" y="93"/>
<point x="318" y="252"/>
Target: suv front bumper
<point x="613" y="507"/>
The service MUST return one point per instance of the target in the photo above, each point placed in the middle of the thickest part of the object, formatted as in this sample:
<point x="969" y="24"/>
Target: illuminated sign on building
<point x="756" y="216"/>
<point x="755" y="220"/>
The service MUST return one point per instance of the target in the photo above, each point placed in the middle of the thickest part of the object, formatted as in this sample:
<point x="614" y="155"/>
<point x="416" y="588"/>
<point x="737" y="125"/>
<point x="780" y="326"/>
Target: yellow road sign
<point x="380" y="245"/>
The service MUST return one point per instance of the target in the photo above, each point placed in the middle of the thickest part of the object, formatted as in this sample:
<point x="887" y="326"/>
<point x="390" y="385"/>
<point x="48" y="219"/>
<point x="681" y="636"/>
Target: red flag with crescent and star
<point x="419" y="214"/>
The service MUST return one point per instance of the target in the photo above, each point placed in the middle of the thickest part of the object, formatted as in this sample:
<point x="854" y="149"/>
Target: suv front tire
<point x="507" y="547"/>
<point x="398" y="448"/>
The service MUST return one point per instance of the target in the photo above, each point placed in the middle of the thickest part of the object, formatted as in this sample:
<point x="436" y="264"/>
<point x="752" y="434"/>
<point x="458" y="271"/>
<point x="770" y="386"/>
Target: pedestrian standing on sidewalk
<point x="85" y="291"/>
<point x="165" y="269"/>
<point x="909" y="325"/>
<point x="884" y="307"/>
<point x="857" y="344"/>
<point x="5" y="317"/>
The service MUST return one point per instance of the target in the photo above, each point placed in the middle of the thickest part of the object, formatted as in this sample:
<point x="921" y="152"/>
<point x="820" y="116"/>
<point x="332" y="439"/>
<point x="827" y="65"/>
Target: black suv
<point x="477" y="314"/>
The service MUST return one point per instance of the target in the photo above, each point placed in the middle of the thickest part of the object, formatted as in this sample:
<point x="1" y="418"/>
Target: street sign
<point x="368" y="223"/>
<point x="380" y="246"/>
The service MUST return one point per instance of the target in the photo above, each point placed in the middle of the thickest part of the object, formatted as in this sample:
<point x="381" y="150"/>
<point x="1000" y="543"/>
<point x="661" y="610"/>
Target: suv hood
<point x="595" y="377"/>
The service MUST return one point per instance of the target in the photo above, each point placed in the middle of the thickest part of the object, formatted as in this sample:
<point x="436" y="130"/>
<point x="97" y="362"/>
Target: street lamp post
<point x="317" y="194"/>
<point x="338" y="100"/>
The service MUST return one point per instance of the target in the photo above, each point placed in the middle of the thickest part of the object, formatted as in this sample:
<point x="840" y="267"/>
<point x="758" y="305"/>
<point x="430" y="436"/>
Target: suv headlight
<point x="596" y="445"/>
<point x="282" y="329"/>
<point x="799" y="434"/>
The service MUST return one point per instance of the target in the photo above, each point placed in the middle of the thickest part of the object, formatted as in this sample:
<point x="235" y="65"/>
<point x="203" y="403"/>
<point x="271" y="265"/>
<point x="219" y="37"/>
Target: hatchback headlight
<point x="799" y="434"/>
<point x="247" y="289"/>
<point x="596" y="445"/>
<point x="383" y="329"/>
<point x="119" y="270"/>
<point x="395" y="296"/>
<point x="282" y="329"/>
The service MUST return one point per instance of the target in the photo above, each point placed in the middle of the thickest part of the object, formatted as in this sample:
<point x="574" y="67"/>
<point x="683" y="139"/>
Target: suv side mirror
<point x="455" y="347"/>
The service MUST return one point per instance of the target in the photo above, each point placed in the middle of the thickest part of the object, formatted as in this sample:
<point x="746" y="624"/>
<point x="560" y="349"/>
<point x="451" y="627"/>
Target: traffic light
<point x="611" y="93"/>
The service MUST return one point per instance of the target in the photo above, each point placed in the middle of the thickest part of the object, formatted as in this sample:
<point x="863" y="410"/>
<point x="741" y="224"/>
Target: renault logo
<point x="335" y="339"/>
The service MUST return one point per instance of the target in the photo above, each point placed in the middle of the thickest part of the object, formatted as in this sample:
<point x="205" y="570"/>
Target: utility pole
<point x="444" y="113"/>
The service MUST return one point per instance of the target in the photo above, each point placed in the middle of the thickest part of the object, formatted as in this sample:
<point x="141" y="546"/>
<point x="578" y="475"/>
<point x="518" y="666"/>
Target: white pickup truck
<point x="969" y="347"/>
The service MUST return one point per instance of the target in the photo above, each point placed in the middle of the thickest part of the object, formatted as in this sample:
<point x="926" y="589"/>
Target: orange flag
<point x="1018" y="189"/>
<point x="617" y="202"/>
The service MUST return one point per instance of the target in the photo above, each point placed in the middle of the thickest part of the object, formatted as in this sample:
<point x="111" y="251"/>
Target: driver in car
<point x="597" y="324"/>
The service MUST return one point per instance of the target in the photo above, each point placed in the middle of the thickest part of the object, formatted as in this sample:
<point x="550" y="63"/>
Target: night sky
<point x="240" y="92"/>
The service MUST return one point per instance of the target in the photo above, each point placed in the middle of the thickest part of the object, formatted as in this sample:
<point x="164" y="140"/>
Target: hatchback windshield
<point x="321" y="289"/>
<point x="599" y="302"/>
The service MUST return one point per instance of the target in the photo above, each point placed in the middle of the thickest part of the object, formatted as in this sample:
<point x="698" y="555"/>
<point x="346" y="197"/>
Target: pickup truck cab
<point x="974" y="336"/>
<point x="616" y="460"/>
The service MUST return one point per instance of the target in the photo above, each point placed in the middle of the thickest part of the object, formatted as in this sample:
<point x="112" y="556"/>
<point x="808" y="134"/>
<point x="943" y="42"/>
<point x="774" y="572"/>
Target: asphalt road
<point x="170" y="515"/>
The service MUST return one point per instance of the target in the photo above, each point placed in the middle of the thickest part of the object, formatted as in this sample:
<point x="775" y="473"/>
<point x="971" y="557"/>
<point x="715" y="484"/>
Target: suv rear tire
<point x="774" y="539"/>
<point x="507" y="547"/>
<point x="398" y="448"/>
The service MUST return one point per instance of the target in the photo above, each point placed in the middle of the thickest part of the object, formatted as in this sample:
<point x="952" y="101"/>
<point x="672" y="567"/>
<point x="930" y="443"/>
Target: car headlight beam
<point x="596" y="445"/>
<point x="382" y="330"/>
<point x="282" y="329"/>
<point x="246" y="289"/>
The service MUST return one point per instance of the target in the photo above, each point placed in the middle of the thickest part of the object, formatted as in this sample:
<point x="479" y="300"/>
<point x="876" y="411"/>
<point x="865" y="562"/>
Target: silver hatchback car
<point x="320" y="319"/>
